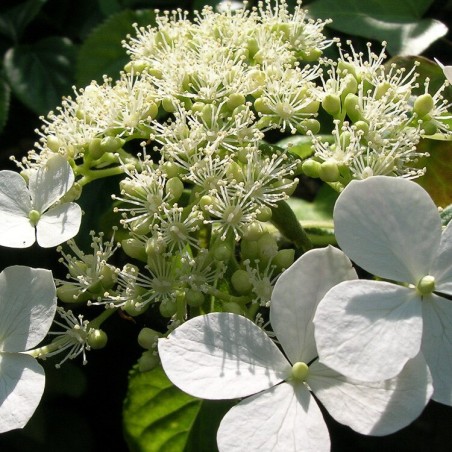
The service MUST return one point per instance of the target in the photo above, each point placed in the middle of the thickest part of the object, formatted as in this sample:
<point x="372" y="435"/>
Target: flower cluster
<point x="193" y="130"/>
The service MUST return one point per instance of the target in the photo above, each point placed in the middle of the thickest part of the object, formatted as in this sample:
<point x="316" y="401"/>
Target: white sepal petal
<point x="58" y="224"/>
<point x="442" y="267"/>
<point x="368" y="330"/>
<point x="296" y="295"/>
<point x="222" y="356"/>
<point x="389" y="226"/>
<point x="377" y="408"/>
<point x="50" y="182"/>
<point x="285" y="418"/>
<point x="22" y="383"/>
<point x="437" y="345"/>
<point x="27" y="307"/>
<point x="16" y="231"/>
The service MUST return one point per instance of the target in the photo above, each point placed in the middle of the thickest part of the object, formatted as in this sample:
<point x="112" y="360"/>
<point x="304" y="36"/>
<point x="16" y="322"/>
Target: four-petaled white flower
<point x="27" y="307"/>
<point x="226" y="356"/>
<point x="369" y="329"/>
<point x="26" y="214"/>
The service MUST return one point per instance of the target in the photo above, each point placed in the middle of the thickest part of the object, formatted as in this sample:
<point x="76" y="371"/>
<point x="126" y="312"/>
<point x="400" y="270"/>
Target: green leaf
<point x="102" y="52"/>
<point x="157" y="416"/>
<point x="14" y="21"/>
<point x="40" y="74"/>
<point x="438" y="178"/>
<point x="321" y="209"/>
<point x="397" y="22"/>
<point x="5" y="94"/>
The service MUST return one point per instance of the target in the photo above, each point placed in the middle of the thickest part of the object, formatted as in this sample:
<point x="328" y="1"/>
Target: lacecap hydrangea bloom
<point x="226" y="356"/>
<point x="29" y="214"/>
<point x="27" y="307"/>
<point x="369" y="329"/>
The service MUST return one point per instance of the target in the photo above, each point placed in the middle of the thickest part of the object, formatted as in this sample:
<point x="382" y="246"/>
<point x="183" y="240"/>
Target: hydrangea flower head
<point x="29" y="213"/>
<point x="226" y="356"/>
<point x="369" y="329"/>
<point x="27" y="307"/>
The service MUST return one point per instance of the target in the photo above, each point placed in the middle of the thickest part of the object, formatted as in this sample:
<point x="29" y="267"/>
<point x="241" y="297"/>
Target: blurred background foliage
<point x="49" y="46"/>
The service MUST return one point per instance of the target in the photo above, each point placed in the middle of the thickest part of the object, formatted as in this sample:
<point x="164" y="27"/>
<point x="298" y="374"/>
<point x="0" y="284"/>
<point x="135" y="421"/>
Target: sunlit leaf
<point x="438" y="179"/>
<point x="399" y="22"/>
<point x="102" y="52"/>
<point x="157" y="416"/>
<point x="40" y="74"/>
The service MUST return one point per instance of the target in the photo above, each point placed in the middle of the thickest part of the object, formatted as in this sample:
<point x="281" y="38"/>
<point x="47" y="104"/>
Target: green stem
<point x="90" y="175"/>
<point x="287" y="223"/>
<point x="97" y="322"/>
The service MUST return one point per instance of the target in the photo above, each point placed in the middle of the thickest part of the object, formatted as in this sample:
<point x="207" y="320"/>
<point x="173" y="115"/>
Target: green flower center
<point x="34" y="217"/>
<point x="426" y="285"/>
<point x="300" y="371"/>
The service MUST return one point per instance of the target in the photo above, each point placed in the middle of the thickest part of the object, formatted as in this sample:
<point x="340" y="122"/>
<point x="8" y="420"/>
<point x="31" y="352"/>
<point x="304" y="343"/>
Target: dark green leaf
<point x="157" y="416"/>
<point x="109" y="7"/>
<point x="4" y="103"/>
<point x="102" y="53"/>
<point x="397" y="22"/>
<point x="14" y="21"/>
<point x="40" y="74"/>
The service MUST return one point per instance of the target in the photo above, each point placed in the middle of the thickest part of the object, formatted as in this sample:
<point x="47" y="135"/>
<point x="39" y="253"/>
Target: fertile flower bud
<point x="423" y="105"/>
<point x="331" y="103"/>
<point x="149" y="360"/>
<point x="97" y="339"/>
<point x="241" y="282"/>
<point x="147" y="338"/>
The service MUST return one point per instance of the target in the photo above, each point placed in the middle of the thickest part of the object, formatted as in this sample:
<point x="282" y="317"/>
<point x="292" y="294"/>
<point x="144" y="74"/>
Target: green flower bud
<point x="235" y="100"/>
<point x="359" y="125"/>
<point x="53" y="143"/>
<point x="350" y="86"/>
<point x="329" y="171"/>
<point x="169" y="105"/>
<point x="423" y="105"/>
<point x="174" y="187"/>
<point x="312" y="107"/>
<point x="134" y="308"/>
<point x="171" y="169"/>
<point x="267" y="247"/>
<point x="346" y="68"/>
<point x="168" y="308"/>
<point x="429" y="127"/>
<point x="235" y="308"/>
<point x="148" y="337"/>
<point x="222" y="253"/>
<point x="261" y="106"/>
<point x="134" y="248"/>
<point x="149" y="360"/>
<point x="332" y="104"/>
<point x="194" y="298"/>
<point x="69" y="293"/>
<point x="284" y="259"/>
<point x="309" y="125"/>
<point x="352" y="107"/>
<point x="264" y="214"/>
<point x="249" y="249"/>
<point x="97" y="339"/>
<point x="309" y="55"/>
<point x="311" y="168"/>
<point x="253" y="231"/>
<point x="241" y="282"/>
